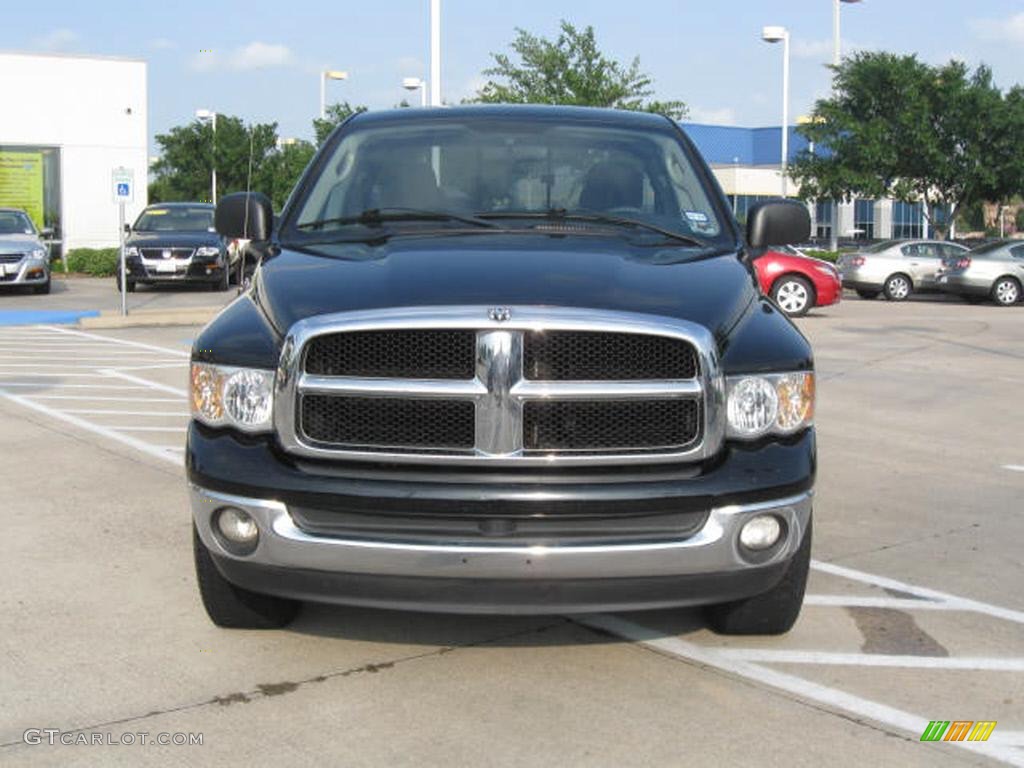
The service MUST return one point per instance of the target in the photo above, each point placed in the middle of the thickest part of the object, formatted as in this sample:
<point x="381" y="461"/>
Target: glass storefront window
<point x="864" y="219"/>
<point x="906" y="220"/>
<point x="823" y="219"/>
<point x="30" y="180"/>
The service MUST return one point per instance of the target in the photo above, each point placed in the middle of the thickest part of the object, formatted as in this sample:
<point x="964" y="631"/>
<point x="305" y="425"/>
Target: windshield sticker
<point x="157" y="212"/>
<point x="697" y="217"/>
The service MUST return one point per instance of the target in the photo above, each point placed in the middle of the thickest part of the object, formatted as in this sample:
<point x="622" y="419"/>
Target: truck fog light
<point x="760" y="532"/>
<point x="237" y="527"/>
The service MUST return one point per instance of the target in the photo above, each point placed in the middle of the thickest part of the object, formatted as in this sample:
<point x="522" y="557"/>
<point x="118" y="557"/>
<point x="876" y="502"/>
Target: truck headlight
<point x="234" y="397"/>
<point x="779" y="403"/>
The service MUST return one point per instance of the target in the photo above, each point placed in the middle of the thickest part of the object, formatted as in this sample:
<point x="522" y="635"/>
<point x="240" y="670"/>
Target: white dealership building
<point x="68" y="122"/>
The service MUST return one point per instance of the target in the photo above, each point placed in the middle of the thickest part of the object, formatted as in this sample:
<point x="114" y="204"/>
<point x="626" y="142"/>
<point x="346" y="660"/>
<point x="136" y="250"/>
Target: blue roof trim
<point x="731" y="145"/>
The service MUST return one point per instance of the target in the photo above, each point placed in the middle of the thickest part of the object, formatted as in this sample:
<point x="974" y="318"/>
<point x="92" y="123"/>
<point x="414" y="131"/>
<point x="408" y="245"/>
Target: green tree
<point x="282" y="169"/>
<point x="189" y="152"/>
<point x="569" y="70"/>
<point x="335" y="114"/>
<point x="897" y="127"/>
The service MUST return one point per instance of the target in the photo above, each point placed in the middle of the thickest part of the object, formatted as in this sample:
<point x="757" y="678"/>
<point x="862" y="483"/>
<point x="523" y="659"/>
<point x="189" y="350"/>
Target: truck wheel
<point x="233" y="607"/>
<point x="773" y="612"/>
<point x="794" y="295"/>
<point x="225" y="281"/>
<point x="867" y="294"/>
<point x="897" y="287"/>
<point x="1006" y="292"/>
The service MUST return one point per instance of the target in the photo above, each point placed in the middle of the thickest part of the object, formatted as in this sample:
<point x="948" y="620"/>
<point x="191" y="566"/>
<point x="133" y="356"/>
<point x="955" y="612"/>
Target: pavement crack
<point x="898" y="544"/>
<point x="268" y="690"/>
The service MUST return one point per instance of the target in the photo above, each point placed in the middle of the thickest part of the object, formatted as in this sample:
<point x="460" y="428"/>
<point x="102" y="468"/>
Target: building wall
<point x="94" y="109"/>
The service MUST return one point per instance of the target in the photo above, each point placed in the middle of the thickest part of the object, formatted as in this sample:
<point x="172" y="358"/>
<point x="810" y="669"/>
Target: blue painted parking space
<point x="48" y="316"/>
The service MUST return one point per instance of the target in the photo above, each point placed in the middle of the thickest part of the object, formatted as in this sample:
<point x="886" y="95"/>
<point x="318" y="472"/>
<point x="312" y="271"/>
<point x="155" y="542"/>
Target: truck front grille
<point x="468" y="385"/>
<point x="626" y="425"/>
<point x="379" y="423"/>
<point x="413" y="354"/>
<point x="589" y="356"/>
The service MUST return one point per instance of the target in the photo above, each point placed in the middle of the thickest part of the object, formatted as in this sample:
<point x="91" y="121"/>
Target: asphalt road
<point x="915" y="609"/>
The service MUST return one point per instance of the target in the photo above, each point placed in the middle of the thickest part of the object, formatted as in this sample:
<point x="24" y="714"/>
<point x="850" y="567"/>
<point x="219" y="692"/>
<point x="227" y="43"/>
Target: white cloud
<point x="162" y="44"/>
<point x="57" y="40"/>
<point x="722" y="116"/>
<point x="259" y="55"/>
<point x="1009" y="30"/>
<point x="255" y="55"/>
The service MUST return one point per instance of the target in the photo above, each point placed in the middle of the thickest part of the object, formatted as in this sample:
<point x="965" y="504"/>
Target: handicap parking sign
<point x="122" y="180"/>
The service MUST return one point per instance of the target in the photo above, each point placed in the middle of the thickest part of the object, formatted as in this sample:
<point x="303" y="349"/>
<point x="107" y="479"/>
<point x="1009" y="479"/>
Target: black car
<point x="504" y="360"/>
<point x="175" y="243"/>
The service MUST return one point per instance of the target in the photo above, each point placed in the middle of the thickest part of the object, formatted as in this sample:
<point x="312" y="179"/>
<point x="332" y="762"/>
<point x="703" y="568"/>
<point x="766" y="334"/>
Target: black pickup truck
<point x="504" y="360"/>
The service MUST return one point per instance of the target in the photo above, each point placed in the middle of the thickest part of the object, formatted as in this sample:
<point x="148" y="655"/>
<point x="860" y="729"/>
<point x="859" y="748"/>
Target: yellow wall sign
<point x="21" y="183"/>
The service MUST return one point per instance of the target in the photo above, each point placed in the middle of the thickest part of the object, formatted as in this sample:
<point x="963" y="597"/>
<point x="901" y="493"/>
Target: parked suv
<point x="504" y="360"/>
<point x="24" y="257"/>
<point x="177" y="242"/>
<point x="896" y="268"/>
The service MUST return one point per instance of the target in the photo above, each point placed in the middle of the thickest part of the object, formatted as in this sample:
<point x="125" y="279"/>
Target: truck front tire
<point x="233" y="607"/>
<point x="773" y="612"/>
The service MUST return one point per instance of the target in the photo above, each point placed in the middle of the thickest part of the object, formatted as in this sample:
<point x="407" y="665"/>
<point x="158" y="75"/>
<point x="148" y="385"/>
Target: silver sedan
<point x="896" y="268"/>
<point x="991" y="271"/>
<point x="24" y="258"/>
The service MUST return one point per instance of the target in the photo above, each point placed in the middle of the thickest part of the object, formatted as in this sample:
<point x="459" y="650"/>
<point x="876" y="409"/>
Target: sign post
<point x="123" y="188"/>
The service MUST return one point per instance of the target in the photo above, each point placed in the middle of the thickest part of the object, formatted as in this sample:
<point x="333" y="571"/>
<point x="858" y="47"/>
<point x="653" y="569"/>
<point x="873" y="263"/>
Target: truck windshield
<point x="514" y="172"/>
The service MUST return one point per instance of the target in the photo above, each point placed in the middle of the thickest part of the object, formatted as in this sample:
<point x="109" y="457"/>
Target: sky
<point x="261" y="61"/>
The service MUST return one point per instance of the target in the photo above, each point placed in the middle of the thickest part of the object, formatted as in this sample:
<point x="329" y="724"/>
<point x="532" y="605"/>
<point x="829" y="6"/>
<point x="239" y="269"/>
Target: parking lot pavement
<point x="77" y="293"/>
<point x="914" y="610"/>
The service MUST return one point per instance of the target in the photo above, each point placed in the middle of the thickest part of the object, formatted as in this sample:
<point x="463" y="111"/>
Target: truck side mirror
<point x="127" y="228"/>
<point x="248" y="215"/>
<point x="777" y="222"/>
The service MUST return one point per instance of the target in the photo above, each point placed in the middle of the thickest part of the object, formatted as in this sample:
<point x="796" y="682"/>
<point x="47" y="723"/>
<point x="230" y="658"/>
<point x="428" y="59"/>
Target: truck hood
<point x="506" y="270"/>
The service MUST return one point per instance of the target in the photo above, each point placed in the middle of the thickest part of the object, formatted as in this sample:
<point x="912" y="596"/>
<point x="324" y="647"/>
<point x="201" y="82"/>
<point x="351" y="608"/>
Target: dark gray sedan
<point x="991" y="271"/>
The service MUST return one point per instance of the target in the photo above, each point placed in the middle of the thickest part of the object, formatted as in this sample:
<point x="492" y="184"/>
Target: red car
<point x="797" y="282"/>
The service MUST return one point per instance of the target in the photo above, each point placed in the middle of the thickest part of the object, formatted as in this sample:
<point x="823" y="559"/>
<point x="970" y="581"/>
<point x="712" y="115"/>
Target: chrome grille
<point x="10" y="258"/>
<point x="157" y="254"/>
<point x="465" y="385"/>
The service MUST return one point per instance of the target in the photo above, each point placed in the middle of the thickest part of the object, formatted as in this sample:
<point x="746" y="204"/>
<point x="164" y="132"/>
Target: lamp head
<point x="774" y="34"/>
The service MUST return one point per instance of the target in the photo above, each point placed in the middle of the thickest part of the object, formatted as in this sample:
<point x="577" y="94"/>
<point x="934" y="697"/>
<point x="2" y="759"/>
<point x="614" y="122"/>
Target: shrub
<point x="823" y="255"/>
<point x="100" y="262"/>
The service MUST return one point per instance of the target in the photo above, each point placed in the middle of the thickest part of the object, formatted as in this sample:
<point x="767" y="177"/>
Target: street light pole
<point x="837" y="58"/>
<point x="209" y="114"/>
<point x="775" y="35"/>
<point x="328" y="74"/>
<point x="435" y="53"/>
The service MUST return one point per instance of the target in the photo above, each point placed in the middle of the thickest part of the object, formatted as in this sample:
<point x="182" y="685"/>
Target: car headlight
<point x="778" y="403"/>
<point x="131" y="250"/>
<point x="38" y="253"/>
<point x="225" y="396"/>
<point x="208" y="250"/>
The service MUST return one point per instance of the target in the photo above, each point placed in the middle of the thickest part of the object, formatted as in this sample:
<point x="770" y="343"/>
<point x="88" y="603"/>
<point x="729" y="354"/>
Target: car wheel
<point x="225" y="281"/>
<point x="44" y="288"/>
<point x="867" y="294"/>
<point x="233" y="607"/>
<point x="1006" y="292"/>
<point x="130" y="284"/>
<point x="773" y="612"/>
<point x="897" y="288"/>
<point x="794" y="295"/>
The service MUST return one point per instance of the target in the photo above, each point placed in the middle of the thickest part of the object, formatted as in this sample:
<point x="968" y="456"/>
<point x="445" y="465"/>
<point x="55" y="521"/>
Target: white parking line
<point x="145" y="382"/>
<point x="67" y="386"/>
<point x="1014" y="467"/>
<point x="777" y="656"/>
<point x="892" y="717"/>
<point x="125" y="342"/>
<point x="139" y="445"/>
<point x="100" y="411"/>
<point x="133" y="428"/>
<point x="960" y="603"/>
<point x="114" y="399"/>
<point x="861" y="601"/>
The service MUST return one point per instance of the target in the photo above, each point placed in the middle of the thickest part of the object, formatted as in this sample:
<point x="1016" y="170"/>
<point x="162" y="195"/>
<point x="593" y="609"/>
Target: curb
<point x="151" y="318"/>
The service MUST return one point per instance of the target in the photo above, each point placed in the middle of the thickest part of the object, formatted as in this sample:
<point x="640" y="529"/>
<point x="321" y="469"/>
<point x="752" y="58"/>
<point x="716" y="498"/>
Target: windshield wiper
<point x="561" y="214"/>
<point x="375" y="217"/>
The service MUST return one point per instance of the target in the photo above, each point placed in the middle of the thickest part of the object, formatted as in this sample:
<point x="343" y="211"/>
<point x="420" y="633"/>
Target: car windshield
<point x="16" y="223"/>
<point x="175" y="219"/>
<point x="510" y="172"/>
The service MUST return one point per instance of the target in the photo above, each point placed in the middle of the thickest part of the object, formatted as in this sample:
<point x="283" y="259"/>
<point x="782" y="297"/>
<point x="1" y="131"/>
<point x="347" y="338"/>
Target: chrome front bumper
<point x="713" y="549"/>
<point x="21" y="270"/>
